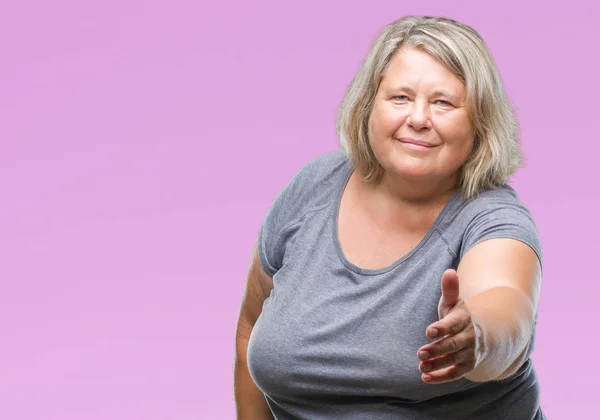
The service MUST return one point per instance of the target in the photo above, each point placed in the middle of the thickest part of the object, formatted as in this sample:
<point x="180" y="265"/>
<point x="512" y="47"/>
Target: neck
<point x="415" y="193"/>
<point x="405" y="204"/>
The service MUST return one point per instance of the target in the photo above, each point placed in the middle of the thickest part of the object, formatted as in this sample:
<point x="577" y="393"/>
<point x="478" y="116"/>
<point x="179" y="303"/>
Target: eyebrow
<point x="436" y="92"/>
<point x="442" y="92"/>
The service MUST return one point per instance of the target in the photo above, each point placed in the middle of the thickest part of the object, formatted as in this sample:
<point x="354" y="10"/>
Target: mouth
<point x="417" y="143"/>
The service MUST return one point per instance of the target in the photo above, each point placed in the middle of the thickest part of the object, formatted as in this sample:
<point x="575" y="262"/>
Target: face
<point x="419" y="126"/>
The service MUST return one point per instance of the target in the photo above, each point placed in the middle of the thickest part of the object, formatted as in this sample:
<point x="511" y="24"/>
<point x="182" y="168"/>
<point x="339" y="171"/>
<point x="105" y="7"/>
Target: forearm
<point x="504" y="318"/>
<point x="250" y="401"/>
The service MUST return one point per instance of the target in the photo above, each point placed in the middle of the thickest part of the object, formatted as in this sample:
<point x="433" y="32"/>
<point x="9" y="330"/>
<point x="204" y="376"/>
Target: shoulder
<point x="314" y="187"/>
<point x="462" y="211"/>
<point x="494" y="213"/>
<point x="504" y="197"/>
<point x="316" y="183"/>
<point x="322" y="168"/>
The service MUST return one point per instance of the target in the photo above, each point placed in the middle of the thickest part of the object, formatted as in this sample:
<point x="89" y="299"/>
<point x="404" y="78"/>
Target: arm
<point x="500" y="282"/>
<point x="487" y="314"/>
<point x="250" y="401"/>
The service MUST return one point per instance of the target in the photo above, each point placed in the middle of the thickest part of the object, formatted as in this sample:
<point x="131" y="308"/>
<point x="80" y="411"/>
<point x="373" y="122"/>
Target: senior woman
<point x="399" y="277"/>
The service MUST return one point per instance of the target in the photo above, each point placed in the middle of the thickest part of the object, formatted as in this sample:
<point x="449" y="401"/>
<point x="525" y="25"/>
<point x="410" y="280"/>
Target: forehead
<point x="411" y="67"/>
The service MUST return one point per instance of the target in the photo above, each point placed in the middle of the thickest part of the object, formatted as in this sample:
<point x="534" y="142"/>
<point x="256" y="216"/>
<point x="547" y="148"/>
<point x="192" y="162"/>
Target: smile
<point x="416" y="144"/>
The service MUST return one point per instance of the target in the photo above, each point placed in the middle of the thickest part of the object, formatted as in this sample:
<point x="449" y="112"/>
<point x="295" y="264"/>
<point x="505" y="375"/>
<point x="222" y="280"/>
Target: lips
<point x="416" y="142"/>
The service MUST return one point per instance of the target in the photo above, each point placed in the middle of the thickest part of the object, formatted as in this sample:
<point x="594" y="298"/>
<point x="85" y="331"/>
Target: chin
<point x="410" y="171"/>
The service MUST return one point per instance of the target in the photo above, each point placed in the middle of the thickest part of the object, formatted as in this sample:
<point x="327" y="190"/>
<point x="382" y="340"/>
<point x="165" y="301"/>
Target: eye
<point x="443" y="103"/>
<point x="400" y="98"/>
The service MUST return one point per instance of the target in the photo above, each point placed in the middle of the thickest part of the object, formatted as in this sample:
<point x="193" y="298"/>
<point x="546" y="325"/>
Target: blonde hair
<point x="495" y="155"/>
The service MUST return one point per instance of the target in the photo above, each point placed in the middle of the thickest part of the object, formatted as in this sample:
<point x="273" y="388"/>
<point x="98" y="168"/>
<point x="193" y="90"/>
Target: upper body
<point x="338" y="340"/>
<point x="400" y="277"/>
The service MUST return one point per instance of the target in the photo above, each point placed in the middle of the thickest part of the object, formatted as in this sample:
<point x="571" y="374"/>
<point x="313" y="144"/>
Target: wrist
<point x="483" y="369"/>
<point x="501" y="331"/>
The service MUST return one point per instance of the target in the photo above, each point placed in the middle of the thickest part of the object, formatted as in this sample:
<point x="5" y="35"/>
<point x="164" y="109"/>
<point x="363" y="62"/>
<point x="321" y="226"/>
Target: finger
<point x="464" y="356"/>
<point x="450" y="292"/>
<point x="447" y="345"/>
<point x="454" y="323"/>
<point x="446" y="375"/>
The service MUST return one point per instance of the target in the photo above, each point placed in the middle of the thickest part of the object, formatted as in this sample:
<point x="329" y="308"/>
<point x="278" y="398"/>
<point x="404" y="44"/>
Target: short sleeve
<point x="502" y="220"/>
<point x="309" y="189"/>
<point x="270" y="248"/>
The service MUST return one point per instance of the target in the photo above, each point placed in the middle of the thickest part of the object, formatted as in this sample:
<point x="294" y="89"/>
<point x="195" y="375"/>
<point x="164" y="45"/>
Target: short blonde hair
<point x="495" y="155"/>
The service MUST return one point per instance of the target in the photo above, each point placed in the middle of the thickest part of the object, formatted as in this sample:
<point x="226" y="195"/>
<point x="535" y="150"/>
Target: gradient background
<point x="141" y="143"/>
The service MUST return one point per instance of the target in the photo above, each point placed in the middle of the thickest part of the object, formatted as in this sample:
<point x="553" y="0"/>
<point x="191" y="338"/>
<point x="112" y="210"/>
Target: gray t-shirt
<point x="335" y="341"/>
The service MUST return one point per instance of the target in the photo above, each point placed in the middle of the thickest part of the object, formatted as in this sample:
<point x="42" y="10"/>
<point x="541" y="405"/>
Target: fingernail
<point x="423" y="355"/>
<point x="426" y="368"/>
<point x="433" y="332"/>
<point x="426" y="378"/>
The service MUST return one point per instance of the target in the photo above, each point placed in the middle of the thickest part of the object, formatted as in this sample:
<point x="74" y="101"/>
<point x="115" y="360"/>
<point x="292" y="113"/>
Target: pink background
<point x="141" y="143"/>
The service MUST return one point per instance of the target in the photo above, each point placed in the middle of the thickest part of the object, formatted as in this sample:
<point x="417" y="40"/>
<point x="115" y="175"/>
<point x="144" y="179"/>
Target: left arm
<point x="487" y="314"/>
<point x="500" y="282"/>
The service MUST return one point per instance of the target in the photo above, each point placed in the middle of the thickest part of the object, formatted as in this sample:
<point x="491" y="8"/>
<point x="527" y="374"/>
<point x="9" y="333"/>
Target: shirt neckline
<point x="405" y="257"/>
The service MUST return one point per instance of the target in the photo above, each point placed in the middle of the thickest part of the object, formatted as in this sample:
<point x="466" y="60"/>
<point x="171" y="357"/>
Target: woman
<point x="399" y="277"/>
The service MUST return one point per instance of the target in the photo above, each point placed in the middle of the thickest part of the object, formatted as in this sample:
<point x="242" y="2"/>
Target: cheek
<point x="384" y="123"/>
<point x="464" y="146"/>
<point x="458" y="133"/>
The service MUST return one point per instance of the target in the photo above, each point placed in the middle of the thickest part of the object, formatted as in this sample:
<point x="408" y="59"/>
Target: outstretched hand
<point x="456" y="351"/>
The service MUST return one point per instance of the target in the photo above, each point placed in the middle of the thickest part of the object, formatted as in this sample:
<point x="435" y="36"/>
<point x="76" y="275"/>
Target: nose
<point x="419" y="117"/>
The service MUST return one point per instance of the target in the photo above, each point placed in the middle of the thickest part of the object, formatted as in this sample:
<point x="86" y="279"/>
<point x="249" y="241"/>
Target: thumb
<point x="450" y="292"/>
